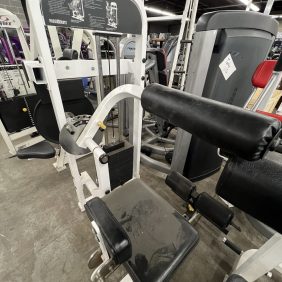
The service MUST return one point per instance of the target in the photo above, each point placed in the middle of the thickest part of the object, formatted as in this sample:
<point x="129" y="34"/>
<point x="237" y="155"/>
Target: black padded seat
<point x="160" y="237"/>
<point x="42" y="150"/>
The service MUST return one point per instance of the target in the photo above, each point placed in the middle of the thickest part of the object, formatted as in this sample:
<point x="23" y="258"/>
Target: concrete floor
<point x="45" y="237"/>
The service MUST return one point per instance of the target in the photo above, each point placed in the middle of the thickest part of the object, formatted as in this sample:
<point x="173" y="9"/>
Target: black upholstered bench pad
<point x="160" y="236"/>
<point x="42" y="150"/>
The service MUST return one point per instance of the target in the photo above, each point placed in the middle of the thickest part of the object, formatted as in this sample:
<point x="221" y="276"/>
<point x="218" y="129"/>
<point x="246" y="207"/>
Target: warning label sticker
<point x="227" y="67"/>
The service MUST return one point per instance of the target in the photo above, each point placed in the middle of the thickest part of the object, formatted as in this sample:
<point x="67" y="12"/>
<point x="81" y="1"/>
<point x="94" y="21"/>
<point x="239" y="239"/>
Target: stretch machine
<point x="124" y="221"/>
<point x="124" y="218"/>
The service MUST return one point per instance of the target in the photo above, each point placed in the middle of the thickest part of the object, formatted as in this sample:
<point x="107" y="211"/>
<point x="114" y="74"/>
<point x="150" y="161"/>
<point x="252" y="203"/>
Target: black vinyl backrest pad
<point x="235" y="130"/>
<point x="116" y="239"/>
<point x="70" y="89"/>
<point x="255" y="188"/>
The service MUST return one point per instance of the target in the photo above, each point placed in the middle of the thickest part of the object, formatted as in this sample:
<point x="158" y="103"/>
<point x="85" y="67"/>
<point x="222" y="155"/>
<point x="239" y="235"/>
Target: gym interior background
<point x="44" y="236"/>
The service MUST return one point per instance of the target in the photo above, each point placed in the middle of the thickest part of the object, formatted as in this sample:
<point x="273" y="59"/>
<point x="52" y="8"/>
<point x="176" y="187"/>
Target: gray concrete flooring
<point x="45" y="237"/>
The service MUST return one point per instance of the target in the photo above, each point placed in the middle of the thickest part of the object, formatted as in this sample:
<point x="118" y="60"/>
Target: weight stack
<point x="121" y="165"/>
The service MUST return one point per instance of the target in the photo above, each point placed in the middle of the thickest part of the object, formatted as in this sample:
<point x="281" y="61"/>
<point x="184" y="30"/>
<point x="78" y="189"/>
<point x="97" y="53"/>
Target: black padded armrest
<point x="116" y="239"/>
<point x="255" y="188"/>
<point x="235" y="130"/>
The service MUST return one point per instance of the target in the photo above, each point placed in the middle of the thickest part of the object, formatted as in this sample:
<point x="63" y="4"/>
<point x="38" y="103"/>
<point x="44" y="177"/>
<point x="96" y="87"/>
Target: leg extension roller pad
<point x="255" y="188"/>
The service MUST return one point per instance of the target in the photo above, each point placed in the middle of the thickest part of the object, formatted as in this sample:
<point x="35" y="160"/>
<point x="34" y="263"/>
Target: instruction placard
<point x="227" y="67"/>
<point x="120" y="16"/>
<point x="12" y="83"/>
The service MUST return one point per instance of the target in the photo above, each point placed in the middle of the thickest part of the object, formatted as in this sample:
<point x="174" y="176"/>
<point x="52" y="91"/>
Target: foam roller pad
<point x="235" y="130"/>
<point x="255" y="188"/>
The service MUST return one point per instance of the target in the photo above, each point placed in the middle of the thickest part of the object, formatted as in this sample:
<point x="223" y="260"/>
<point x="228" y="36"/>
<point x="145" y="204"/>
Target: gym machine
<point x="79" y="90"/>
<point x="219" y="39"/>
<point x="24" y="106"/>
<point x="17" y="96"/>
<point x="134" y="204"/>
<point x="268" y="76"/>
<point x="235" y="42"/>
<point x="48" y="73"/>
<point x="124" y="221"/>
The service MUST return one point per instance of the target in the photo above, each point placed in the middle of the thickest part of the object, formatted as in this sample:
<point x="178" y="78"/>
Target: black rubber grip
<point x="180" y="185"/>
<point x="213" y="210"/>
<point x="233" y="247"/>
<point x="278" y="66"/>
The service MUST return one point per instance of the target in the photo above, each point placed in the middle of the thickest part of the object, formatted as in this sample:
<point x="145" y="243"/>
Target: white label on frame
<point x="227" y="67"/>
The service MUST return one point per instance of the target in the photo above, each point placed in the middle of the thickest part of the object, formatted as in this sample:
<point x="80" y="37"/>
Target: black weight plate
<point x="45" y="120"/>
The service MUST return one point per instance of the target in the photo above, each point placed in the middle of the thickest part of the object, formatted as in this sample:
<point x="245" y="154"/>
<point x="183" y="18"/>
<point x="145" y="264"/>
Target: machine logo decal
<point x="5" y="21"/>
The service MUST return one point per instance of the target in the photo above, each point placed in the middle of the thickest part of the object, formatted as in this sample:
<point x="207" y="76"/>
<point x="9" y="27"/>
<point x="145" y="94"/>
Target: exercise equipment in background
<point x="51" y="72"/>
<point x="227" y="48"/>
<point x="17" y="96"/>
<point x="267" y="77"/>
<point x="217" y="42"/>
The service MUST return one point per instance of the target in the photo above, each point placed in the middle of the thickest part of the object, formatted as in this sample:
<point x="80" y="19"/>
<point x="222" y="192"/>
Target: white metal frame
<point x="279" y="111"/>
<point x="136" y="67"/>
<point x="253" y="264"/>
<point x="86" y="141"/>
<point x="13" y="22"/>
<point x="12" y="139"/>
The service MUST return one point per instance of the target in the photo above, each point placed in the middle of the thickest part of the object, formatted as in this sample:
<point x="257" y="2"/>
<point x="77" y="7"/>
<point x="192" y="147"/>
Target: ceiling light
<point x="158" y="11"/>
<point x="252" y="6"/>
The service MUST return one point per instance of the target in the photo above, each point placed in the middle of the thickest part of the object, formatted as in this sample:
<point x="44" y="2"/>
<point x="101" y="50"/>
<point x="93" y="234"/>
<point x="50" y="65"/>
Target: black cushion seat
<point x="160" y="237"/>
<point x="42" y="150"/>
